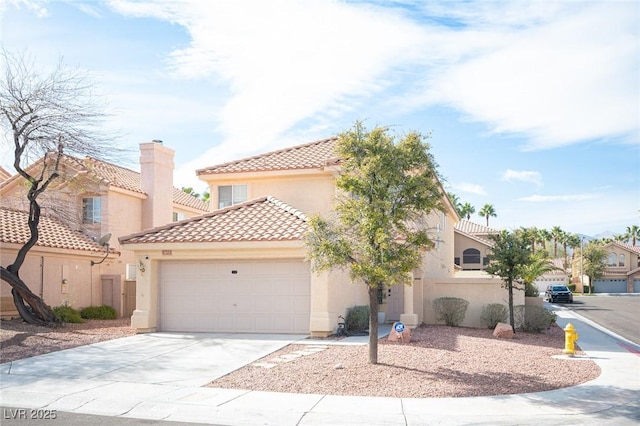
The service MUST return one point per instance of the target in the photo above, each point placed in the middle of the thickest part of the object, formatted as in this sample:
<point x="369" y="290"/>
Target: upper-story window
<point x="179" y="216"/>
<point x="91" y="210"/>
<point x="613" y="260"/>
<point x="621" y="260"/>
<point x="471" y="255"/>
<point x="228" y="195"/>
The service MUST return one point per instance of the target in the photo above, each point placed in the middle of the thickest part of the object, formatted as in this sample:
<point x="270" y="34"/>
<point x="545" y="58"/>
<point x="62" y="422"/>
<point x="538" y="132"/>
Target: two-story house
<point x="95" y="198"/>
<point x="622" y="271"/>
<point x="243" y="267"/>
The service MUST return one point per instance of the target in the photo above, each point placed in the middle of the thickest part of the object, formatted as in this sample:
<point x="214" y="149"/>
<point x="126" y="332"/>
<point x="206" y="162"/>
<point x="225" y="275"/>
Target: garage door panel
<point x="261" y="296"/>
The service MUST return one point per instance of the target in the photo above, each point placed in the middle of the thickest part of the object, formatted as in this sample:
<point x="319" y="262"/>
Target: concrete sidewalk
<point x="39" y="383"/>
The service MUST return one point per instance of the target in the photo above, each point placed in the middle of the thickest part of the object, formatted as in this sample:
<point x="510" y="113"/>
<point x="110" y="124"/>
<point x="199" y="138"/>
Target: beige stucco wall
<point x="477" y="288"/>
<point x="462" y="243"/>
<point x="311" y="192"/>
<point x="46" y="270"/>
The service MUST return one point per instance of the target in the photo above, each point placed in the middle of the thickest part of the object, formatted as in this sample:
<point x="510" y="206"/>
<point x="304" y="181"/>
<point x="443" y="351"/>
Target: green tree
<point x="467" y="210"/>
<point x="543" y="237"/>
<point x="379" y="230"/>
<point x="556" y="235"/>
<point x="487" y="211"/>
<point x="632" y="234"/>
<point x="508" y="257"/>
<point x="539" y="264"/>
<point x="45" y="116"/>
<point x="573" y="242"/>
<point x="594" y="261"/>
<point x="455" y="200"/>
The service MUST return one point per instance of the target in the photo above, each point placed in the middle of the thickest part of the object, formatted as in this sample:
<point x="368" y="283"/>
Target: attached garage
<point x="240" y="296"/>
<point x="610" y="286"/>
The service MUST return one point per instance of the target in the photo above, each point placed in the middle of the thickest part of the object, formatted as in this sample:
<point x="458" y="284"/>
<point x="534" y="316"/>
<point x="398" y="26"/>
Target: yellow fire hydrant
<point x="570" y="337"/>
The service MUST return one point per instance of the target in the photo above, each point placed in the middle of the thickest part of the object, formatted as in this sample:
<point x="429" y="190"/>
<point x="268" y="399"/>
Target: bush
<point x="494" y="313"/>
<point x="451" y="310"/>
<point x="67" y="314"/>
<point x="531" y="290"/>
<point x="534" y="318"/>
<point x="103" y="312"/>
<point x="571" y="287"/>
<point x="357" y="318"/>
<point x="586" y="289"/>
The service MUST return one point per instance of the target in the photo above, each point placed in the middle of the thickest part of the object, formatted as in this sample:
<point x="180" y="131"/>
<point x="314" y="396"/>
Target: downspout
<point x="42" y="278"/>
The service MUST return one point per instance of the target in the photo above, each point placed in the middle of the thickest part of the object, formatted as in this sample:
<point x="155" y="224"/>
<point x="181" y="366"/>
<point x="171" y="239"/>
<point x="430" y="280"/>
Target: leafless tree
<point x="46" y="116"/>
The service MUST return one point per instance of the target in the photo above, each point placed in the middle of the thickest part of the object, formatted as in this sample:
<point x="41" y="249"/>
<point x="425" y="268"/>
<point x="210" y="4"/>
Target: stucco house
<point x="472" y="245"/>
<point x="243" y="267"/>
<point x="95" y="198"/>
<point x="622" y="273"/>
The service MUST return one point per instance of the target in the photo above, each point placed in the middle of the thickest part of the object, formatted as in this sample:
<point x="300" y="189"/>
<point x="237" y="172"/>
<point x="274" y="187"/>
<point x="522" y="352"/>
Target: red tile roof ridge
<point x="286" y="207"/>
<point x="211" y="169"/>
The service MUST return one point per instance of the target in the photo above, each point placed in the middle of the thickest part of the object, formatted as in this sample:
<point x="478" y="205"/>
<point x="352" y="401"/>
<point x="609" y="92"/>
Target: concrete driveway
<point x="180" y="359"/>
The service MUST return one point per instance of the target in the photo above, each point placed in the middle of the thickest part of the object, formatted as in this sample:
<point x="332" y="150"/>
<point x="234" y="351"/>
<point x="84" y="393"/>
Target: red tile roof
<point x="308" y="156"/>
<point x="4" y="174"/>
<point x="52" y="233"/>
<point x="262" y="219"/>
<point x="473" y="228"/>
<point x="120" y="177"/>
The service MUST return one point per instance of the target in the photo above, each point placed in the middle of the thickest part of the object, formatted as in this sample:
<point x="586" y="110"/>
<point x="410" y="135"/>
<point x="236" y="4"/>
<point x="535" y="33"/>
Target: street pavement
<point x="619" y="313"/>
<point x="159" y="377"/>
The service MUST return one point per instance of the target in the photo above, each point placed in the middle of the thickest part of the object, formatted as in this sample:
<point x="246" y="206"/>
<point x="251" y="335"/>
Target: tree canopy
<point x="510" y="255"/>
<point x="46" y="116"/>
<point x="380" y="225"/>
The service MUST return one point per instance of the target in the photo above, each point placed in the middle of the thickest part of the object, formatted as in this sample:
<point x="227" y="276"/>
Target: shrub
<point x="357" y="318"/>
<point x="586" y="289"/>
<point x="494" y="313"/>
<point x="451" y="310"/>
<point x="104" y="312"/>
<point x="531" y="290"/>
<point x="535" y="318"/>
<point x="571" y="287"/>
<point x="67" y="314"/>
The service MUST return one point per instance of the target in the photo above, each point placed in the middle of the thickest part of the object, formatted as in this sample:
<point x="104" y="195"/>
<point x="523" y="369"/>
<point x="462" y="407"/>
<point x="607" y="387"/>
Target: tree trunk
<point x="373" y="324"/>
<point x="511" y="316"/>
<point x="37" y="312"/>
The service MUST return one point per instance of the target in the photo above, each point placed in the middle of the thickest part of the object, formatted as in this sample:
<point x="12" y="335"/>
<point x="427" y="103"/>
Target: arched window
<point x="621" y="260"/>
<point x="471" y="256"/>
<point x="613" y="259"/>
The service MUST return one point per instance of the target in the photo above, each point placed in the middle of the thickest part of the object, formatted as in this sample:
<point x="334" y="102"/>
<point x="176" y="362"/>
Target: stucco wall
<point x="478" y="291"/>
<point x="45" y="271"/>
<point x="309" y="193"/>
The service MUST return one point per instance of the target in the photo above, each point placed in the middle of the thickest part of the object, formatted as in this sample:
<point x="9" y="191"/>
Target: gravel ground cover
<point x="440" y="361"/>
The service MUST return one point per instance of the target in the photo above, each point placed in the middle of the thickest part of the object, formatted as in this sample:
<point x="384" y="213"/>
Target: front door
<point x="395" y="302"/>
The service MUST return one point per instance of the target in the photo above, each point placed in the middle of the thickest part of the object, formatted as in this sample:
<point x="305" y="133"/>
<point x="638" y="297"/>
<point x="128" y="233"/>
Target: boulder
<point x="404" y="337"/>
<point x="503" y="331"/>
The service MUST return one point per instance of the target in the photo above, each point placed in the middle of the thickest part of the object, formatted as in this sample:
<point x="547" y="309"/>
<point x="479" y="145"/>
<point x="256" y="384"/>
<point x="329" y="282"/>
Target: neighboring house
<point x="472" y="245"/>
<point x="243" y="267"/>
<point x="58" y="268"/>
<point x="558" y="276"/>
<point x="622" y="273"/>
<point x="96" y="198"/>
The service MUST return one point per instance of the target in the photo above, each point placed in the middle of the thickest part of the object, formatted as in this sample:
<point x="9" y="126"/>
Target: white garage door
<point x="262" y="296"/>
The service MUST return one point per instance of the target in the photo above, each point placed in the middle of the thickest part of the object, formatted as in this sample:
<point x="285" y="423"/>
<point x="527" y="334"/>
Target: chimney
<point x="156" y="180"/>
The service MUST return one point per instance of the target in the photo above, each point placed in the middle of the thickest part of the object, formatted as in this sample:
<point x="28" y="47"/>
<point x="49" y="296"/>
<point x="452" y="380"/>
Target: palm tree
<point x="556" y="234"/>
<point x="467" y="210"/>
<point x="487" y="211"/>
<point x="633" y="234"/>
<point x="539" y="264"/>
<point x="456" y="202"/>
<point x="544" y="236"/>
<point x="574" y="242"/>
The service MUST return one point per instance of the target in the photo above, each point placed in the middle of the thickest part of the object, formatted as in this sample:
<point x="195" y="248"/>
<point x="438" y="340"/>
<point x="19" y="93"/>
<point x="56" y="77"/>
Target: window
<point x="91" y="210"/>
<point x="179" y="216"/>
<point x="229" y="195"/>
<point x="471" y="256"/>
<point x="613" y="259"/>
<point x="621" y="261"/>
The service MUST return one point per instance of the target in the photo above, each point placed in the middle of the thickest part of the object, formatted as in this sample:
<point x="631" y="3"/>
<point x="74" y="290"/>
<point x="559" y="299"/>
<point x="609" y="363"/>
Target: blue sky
<point x="533" y="107"/>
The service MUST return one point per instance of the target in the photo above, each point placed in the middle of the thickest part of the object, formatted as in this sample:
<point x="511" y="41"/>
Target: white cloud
<point x="523" y="175"/>
<point x="470" y="188"/>
<point x="562" y="198"/>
